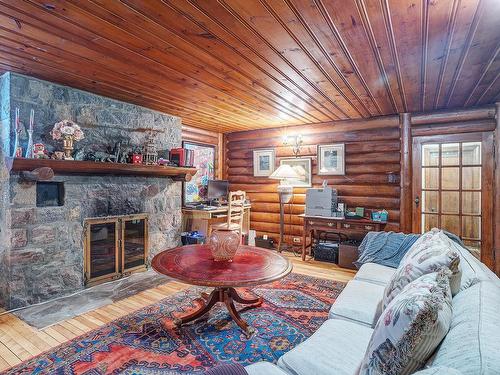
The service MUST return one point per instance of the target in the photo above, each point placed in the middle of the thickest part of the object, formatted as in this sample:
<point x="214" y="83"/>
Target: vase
<point x="224" y="244"/>
<point x="68" y="147"/>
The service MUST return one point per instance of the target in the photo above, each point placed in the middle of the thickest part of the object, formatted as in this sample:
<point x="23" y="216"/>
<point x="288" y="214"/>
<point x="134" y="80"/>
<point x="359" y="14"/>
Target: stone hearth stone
<point x="52" y="312"/>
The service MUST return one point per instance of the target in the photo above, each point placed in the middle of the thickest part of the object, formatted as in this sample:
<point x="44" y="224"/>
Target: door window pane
<point x="471" y="178"/>
<point x="429" y="222"/>
<point x="450" y="202"/>
<point x="471" y="153"/>
<point x="450" y="178"/>
<point x="450" y="154"/>
<point x="471" y="202"/>
<point x="471" y="227"/>
<point x="430" y="201"/>
<point x="451" y="223"/>
<point x="474" y="247"/>
<point x="430" y="155"/>
<point x="430" y="178"/>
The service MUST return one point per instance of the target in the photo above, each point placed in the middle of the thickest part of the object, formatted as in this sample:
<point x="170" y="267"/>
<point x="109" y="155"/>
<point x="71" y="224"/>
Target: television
<point x="217" y="189"/>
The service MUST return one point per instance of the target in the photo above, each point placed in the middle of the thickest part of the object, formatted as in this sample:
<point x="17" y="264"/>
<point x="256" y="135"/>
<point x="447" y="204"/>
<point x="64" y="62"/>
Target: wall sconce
<point x="295" y="141"/>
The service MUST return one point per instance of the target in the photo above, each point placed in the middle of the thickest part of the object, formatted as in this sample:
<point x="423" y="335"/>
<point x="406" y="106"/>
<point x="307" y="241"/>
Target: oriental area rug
<point x="147" y="342"/>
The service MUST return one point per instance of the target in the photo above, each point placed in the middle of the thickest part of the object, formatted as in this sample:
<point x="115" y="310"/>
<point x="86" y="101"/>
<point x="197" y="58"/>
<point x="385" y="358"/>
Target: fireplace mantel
<point x="102" y="168"/>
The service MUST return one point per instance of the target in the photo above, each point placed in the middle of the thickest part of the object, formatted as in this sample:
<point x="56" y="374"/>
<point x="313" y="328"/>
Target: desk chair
<point x="235" y="211"/>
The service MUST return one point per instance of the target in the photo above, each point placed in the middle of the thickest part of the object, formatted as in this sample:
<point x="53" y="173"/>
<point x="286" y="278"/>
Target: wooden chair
<point x="235" y="212"/>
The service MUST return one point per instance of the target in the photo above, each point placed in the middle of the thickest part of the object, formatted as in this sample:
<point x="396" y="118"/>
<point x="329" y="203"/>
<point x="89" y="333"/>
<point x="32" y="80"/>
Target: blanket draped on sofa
<point x="385" y="248"/>
<point x="388" y="248"/>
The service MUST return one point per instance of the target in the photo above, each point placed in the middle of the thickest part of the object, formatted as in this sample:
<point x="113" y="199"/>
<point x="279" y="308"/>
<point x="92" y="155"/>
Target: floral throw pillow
<point x="411" y="327"/>
<point x="423" y="241"/>
<point x="430" y="256"/>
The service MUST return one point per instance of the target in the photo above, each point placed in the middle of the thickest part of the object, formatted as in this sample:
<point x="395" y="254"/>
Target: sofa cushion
<point x="264" y="368"/>
<point x="360" y="302"/>
<point x="429" y="257"/>
<point x="337" y="347"/>
<point x="375" y="273"/>
<point x="473" y="270"/>
<point x="411" y="327"/>
<point x="472" y="343"/>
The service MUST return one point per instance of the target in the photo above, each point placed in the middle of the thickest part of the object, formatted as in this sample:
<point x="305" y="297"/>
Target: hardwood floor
<point x="19" y="341"/>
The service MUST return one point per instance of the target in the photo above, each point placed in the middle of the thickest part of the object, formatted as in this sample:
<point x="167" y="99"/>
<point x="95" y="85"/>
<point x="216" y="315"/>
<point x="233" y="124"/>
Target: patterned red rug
<point x="146" y="342"/>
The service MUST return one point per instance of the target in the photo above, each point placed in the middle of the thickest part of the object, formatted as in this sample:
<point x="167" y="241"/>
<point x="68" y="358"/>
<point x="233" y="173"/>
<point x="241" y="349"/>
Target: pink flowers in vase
<point x="67" y="128"/>
<point x="69" y="132"/>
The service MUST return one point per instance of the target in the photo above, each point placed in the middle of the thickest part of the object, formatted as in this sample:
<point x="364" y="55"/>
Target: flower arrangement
<point x="65" y="129"/>
<point x="69" y="132"/>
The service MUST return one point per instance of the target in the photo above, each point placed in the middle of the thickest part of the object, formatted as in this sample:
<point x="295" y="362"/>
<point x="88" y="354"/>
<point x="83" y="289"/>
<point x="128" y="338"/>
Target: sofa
<point x="471" y="346"/>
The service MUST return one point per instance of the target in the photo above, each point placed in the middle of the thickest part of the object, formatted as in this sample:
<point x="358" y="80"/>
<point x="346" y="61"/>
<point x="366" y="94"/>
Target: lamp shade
<point x="283" y="172"/>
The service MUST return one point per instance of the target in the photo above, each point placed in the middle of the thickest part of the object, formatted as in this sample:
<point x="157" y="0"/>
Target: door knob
<point x="417" y="200"/>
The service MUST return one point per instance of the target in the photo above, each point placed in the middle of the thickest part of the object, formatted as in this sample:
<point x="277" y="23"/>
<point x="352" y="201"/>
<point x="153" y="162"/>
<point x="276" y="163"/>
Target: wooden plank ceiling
<point x="231" y="65"/>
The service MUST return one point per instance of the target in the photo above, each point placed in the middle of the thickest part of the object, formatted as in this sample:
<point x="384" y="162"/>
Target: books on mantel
<point x="183" y="157"/>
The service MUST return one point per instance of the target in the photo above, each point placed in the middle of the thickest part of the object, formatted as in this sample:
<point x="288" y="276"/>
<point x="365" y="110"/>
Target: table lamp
<point x="285" y="191"/>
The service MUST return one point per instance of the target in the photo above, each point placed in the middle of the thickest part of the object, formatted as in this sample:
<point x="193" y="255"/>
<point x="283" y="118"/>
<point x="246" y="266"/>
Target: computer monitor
<point x="218" y="189"/>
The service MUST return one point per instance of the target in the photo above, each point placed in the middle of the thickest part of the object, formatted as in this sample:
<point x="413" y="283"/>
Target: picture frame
<point x="303" y="166"/>
<point x="331" y="159"/>
<point x="204" y="161"/>
<point x="263" y="162"/>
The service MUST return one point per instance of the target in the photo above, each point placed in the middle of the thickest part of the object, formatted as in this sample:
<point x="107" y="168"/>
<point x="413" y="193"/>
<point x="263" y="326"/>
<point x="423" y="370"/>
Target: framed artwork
<point x="331" y="159"/>
<point x="303" y="168"/>
<point x="196" y="189"/>
<point x="263" y="162"/>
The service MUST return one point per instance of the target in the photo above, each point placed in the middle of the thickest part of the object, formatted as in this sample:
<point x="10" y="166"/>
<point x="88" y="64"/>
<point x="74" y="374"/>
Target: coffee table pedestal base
<point x="227" y="296"/>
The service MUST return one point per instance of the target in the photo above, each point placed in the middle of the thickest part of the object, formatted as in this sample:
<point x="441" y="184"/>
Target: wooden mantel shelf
<point x="102" y="168"/>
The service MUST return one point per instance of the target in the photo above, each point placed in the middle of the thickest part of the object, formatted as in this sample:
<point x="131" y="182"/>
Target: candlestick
<point x="29" y="148"/>
<point x="32" y="118"/>
<point x="16" y="135"/>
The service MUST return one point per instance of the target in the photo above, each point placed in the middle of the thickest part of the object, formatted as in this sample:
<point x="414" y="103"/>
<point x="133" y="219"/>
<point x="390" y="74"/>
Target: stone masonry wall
<point x="4" y="186"/>
<point x="45" y="259"/>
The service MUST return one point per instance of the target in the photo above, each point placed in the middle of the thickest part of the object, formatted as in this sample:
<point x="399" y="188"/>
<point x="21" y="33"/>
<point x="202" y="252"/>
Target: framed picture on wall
<point x="263" y="162"/>
<point x="303" y="168"/>
<point x="331" y="159"/>
<point x="196" y="189"/>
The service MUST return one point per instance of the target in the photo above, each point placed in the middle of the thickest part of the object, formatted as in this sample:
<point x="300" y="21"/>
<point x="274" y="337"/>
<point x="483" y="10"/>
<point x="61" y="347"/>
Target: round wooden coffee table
<point x="193" y="264"/>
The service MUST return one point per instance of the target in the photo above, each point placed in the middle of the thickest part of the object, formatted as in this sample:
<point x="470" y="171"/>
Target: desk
<point x="200" y="220"/>
<point x="354" y="228"/>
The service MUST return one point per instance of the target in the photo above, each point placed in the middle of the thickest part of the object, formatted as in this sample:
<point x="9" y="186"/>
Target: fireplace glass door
<point x="134" y="243"/>
<point x="115" y="246"/>
<point x="103" y="240"/>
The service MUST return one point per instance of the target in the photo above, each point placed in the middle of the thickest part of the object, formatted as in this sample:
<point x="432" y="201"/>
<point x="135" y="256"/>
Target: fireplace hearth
<point x="115" y="247"/>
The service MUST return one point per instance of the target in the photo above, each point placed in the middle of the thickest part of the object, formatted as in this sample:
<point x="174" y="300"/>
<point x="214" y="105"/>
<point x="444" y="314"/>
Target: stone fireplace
<point x="43" y="245"/>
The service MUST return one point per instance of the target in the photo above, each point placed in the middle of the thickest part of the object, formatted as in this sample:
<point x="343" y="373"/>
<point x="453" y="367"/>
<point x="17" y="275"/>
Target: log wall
<point x="372" y="178"/>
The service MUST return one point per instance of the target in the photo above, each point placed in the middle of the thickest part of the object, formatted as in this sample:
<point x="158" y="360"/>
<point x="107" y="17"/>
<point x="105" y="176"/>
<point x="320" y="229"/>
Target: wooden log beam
<point x="459" y="115"/>
<point x="473" y="126"/>
<point x="496" y="228"/>
<point x="381" y="122"/>
<point x="406" y="174"/>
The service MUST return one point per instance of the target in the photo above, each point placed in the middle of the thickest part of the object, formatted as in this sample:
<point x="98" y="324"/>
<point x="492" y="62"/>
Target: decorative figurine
<point x="58" y="155"/>
<point x="16" y="154"/>
<point x="39" y="151"/>
<point x="150" y="153"/>
<point x="69" y="132"/>
<point x="29" y="148"/>
<point x="136" y="158"/>
<point x="19" y="152"/>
